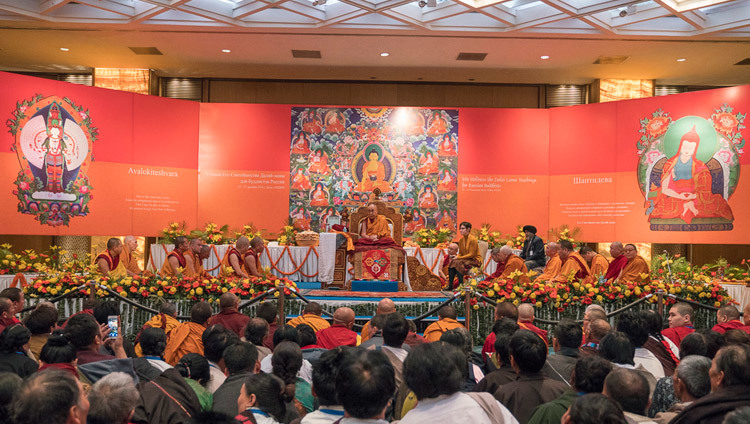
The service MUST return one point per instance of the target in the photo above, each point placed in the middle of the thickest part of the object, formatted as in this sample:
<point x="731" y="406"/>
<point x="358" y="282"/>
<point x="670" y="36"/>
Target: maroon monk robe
<point x="231" y="320"/>
<point x="413" y="339"/>
<point x="617" y="264"/>
<point x="527" y="325"/>
<point x="499" y="271"/>
<point x="676" y="334"/>
<point x="336" y="335"/>
<point x="268" y="340"/>
<point x="730" y="325"/>
<point x="489" y="346"/>
<point x="6" y="323"/>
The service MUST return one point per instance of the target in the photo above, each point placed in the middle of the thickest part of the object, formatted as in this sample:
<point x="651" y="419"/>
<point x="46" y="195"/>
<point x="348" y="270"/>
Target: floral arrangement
<point x="287" y="236"/>
<point x="565" y="233"/>
<point x="516" y="241"/>
<point x="248" y="231"/>
<point x="30" y="261"/>
<point x="738" y="272"/>
<point x="155" y="287"/>
<point x="212" y="234"/>
<point x="492" y="238"/>
<point x="172" y="231"/>
<point x="432" y="237"/>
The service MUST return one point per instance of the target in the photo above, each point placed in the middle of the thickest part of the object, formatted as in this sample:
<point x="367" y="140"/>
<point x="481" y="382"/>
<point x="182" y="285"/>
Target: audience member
<point x="312" y="316"/>
<point x="565" y="343"/>
<point x="16" y="297"/>
<point x="113" y="399"/>
<point x="694" y="344"/>
<point x="526" y="321"/>
<point x="446" y="321"/>
<point x="166" y="319"/>
<point x="50" y="397"/>
<point x="229" y="316"/>
<point x="375" y="330"/>
<point x="187" y="337"/>
<point x="502" y="310"/>
<point x="528" y="353"/>
<point x="680" y="322"/>
<point x="730" y="388"/>
<point x="340" y="333"/>
<point x="365" y="385"/>
<point x="395" y="330"/>
<point x="714" y="341"/>
<point x="261" y="398"/>
<point x="385" y="306"/>
<point x="738" y="416"/>
<point x="617" y="348"/>
<point x="661" y="347"/>
<point x="194" y="368"/>
<point x="168" y="398"/>
<point x="240" y="361"/>
<point x="59" y="354"/>
<point x="412" y="338"/>
<point x="10" y="383"/>
<point x="435" y="373"/>
<point x="596" y="332"/>
<point x="691" y="382"/>
<point x="592" y="312"/>
<point x="736" y="336"/>
<point x="461" y="339"/>
<point x="153" y="342"/>
<point x="594" y="408"/>
<point x="308" y="342"/>
<point x="255" y="332"/>
<point x="215" y="340"/>
<point x="629" y="388"/>
<point x="636" y="328"/>
<point x="504" y="372"/>
<point x="13" y="344"/>
<point x="40" y="322"/>
<point x="102" y="312"/>
<point x="587" y="377"/>
<point x="6" y="313"/>
<point x="269" y="312"/>
<point x="287" y="333"/>
<point x="728" y="318"/>
<point x="286" y="363"/>
<point x="85" y="334"/>
<point x="324" y="386"/>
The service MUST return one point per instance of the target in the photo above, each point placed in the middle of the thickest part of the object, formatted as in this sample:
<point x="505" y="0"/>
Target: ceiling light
<point x="422" y="3"/>
<point x="319" y="2"/>
<point x="385" y="54"/>
<point x="65" y="49"/>
<point x="225" y="50"/>
<point x="681" y="59"/>
<point x="545" y="57"/>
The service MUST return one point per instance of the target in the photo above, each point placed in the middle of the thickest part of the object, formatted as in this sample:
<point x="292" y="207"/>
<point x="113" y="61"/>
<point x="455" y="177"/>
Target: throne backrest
<point x="395" y="219"/>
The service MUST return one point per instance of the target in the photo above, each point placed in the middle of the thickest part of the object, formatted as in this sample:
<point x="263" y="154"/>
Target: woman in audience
<point x="14" y="343"/>
<point x="286" y="363"/>
<point x="262" y="397"/>
<point x="194" y="367"/>
<point x="9" y="385"/>
<point x="58" y="353"/>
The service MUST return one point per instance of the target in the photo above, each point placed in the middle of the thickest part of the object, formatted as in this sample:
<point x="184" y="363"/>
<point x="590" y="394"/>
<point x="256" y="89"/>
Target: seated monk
<point x="573" y="264"/>
<point x="553" y="264"/>
<point x="374" y="232"/>
<point x="204" y="254"/>
<point x="311" y="316"/>
<point x="598" y="264"/>
<point x="468" y="255"/>
<point x="251" y="258"/>
<point x="188" y="336"/>
<point x="109" y="263"/>
<point x="385" y="307"/>
<point x="728" y="318"/>
<point x="450" y="253"/>
<point x="233" y="263"/>
<point x="340" y="333"/>
<point x="230" y="317"/>
<point x="635" y="267"/>
<point x="446" y="321"/>
<point x="166" y="319"/>
<point x="526" y="321"/>
<point x="191" y="258"/>
<point x="512" y="263"/>
<point x="130" y="245"/>
<point x="618" y="261"/>
<point x="175" y="263"/>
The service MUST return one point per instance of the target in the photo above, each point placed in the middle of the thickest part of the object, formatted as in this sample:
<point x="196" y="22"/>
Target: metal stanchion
<point x="282" y="317"/>
<point x="660" y="301"/>
<point x="467" y="305"/>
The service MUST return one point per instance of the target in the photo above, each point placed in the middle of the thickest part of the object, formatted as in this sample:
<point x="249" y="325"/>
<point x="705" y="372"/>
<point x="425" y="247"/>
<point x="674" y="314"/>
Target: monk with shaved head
<point x="385" y="307"/>
<point x="233" y="263"/>
<point x="340" y="333"/>
<point x="229" y="316"/>
<point x="312" y="317"/>
<point x="130" y="245"/>
<point x="617" y="250"/>
<point x="554" y="263"/>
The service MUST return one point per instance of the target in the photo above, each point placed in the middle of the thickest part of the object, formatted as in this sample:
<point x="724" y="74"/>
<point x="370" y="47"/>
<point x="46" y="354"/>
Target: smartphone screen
<point x="112" y="323"/>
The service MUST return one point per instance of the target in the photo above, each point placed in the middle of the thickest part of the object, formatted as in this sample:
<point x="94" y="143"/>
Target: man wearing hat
<point x="533" y="248"/>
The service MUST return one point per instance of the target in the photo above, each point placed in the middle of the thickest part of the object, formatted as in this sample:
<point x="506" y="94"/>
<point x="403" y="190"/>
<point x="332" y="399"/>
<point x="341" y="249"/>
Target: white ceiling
<point x="423" y="42"/>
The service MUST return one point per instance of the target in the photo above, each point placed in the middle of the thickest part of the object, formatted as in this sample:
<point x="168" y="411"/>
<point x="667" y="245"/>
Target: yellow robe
<point x="433" y="331"/>
<point x="186" y="338"/>
<point x="572" y="266"/>
<point x="633" y="270"/>
<point x="167" y="270"/>
<point x="226" y="266"/>
<point x="378" y="228"/>
<point x="599" y="266"/>
<point x="126" y="257"/>
<point x="468" y="248"/>
<point x="515" y="263"/>
<point x="155" y="322"/>
<point x="118" y="271"/>
<point x="551" y="269"/>
<point x="315" y="321"/>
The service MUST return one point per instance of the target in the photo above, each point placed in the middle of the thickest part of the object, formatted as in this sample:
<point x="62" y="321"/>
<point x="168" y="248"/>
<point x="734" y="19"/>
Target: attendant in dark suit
<point x="533" y="248"/>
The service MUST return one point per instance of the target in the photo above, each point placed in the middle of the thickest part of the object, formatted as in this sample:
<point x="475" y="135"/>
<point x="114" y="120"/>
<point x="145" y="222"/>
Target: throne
<point x="356" y="220"/>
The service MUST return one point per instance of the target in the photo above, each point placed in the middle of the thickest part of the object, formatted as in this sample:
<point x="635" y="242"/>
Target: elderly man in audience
<point x="552" y="268"/>
<point x="528" y="353"/>
<point x="691" y="382"/>
<point x="50" y="397"/>
<point x="680" y="322"/>
<point x="230" y="317"/>
<point x="435" y="373"/>
<point x="730" y="388"/>
<point x="629" y="388"/>
<point x="17" y="299"/>
<point x="446" y="321"/>
<point x="565" y="342"/>
<point x="594" y="408"/>
<point x="240" y="361"/>
<point x="502" y="310"/>
<point x="728" y="318"/>
<point x="255" y="331"/>
<point x="269" y="311"/>
<point x="592" y="312"/>
<point x="340" y="333"/>
<point x="526" y="321"/>
<point x="312" y="316"/>
<point x="113" y="399"/>
<point x="596" y="332"/>
<point x="385" y="306"/>
<point x="503" y="371"/>
<point x="365" y="386"/>
<point x="587" y="377"/>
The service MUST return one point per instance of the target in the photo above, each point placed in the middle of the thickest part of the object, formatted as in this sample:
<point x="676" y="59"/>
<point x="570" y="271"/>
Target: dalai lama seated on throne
<point x="374" y="232"/>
